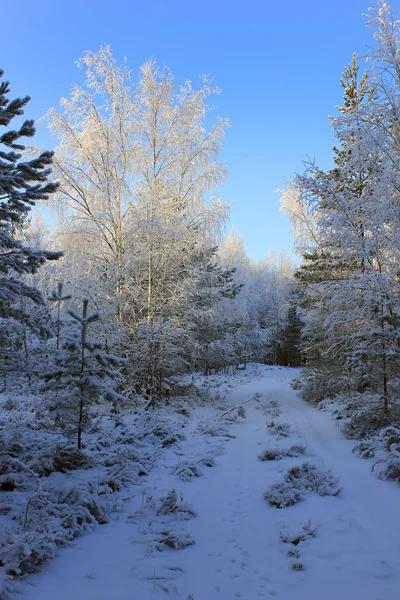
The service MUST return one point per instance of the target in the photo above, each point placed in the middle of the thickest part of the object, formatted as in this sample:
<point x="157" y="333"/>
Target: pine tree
<point x="351" y="274"/>
<point x="22" y="183"/>
<point x="290" y="348"/>
<point x="208" y="325"/>
<point x="82" y="376"/>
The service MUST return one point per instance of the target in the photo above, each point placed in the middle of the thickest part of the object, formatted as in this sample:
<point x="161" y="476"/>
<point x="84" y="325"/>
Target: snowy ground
<point x="243" y="546"/>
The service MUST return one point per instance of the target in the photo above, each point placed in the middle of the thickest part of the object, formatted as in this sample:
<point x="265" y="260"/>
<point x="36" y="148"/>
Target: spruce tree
<point x="82" y="376"/>
<point x="22" y="183"/>
<point x="353" y="314"/>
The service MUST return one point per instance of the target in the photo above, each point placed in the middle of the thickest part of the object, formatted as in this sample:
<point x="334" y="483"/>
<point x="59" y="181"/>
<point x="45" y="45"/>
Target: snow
<point x="345" y="546"/>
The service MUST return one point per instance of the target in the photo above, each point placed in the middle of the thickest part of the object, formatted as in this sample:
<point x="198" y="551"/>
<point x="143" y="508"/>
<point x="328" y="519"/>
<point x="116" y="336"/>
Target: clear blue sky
<point x="278" y="64"/>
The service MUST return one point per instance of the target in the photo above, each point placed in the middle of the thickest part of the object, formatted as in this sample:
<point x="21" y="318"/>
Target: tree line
<point x="137" y="236"/>
<point x="346" y="222"/>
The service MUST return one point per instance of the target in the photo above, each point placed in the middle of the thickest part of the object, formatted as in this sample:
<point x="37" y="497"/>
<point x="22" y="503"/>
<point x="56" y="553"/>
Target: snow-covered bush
<point x="170" y="539"/>
<point x="68" y="458"/>
<point x="318" y="383"/>
<point x="307" y="531"/>
<point x="309" y="477"/>
<point x="171" y="504"/>
<point x="360" y="414"/>
<point x="186" y="470"/>
<point x="278" y="429"/>
<point x="206" y="461"/>
<point x="297" y="566"/>
<point x="271" y="409"/>
<point x="215" y="429"/>
<point x="282" y="494"/>
<point x="300" y="480"/>
<point x="52" y="517"/>
<point x="160" y="428"/>
<point x="41" y="508"/>
<point x="160" y="522"/>
<point x="384" y="449"/>
<point x="365" y="421"/>
<point x="279" y="453"/>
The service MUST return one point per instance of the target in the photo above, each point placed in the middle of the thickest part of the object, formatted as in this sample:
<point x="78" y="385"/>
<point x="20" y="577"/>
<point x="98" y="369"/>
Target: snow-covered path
<point x="238" y="551"/>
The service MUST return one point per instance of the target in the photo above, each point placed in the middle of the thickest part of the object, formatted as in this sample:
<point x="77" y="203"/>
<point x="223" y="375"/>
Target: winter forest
<point x="178" y="418"/>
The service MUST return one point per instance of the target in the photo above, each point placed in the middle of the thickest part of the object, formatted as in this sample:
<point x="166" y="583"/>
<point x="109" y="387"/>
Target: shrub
<point x="299" y="480"/>
<point x="279" y="453"/>
<point x="307" y="531"/>
<point x="171" y="504"/>
<point x="173" y="541"/>
<point x="297" y="566"/>
<point x="69" y="458"/>
<point x="279" y="429"/>
<point x="186" y="470"/>
<point x="282" y="495"/>
<point x="364" y="422"/>
<point x="384" y="448"/>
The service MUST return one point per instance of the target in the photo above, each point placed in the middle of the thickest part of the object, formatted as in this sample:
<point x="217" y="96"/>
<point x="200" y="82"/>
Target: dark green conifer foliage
<point x="22" y="183"/>
<point x="82" y="376"/>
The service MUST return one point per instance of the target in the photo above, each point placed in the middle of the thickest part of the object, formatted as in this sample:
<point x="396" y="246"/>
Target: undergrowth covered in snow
<point x="300" y="480"/>
<point x="384" y="450"/>
<point x="360" y="417"/>
<point x="52" y="492"/>
<point x="279" y="453"/>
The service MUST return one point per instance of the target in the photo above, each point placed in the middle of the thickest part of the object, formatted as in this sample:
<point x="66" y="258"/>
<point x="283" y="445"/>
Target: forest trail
<point x="239" y="549"/>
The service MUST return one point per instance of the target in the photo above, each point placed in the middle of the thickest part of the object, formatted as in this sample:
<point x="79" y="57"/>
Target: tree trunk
<point x="81" y="386"/>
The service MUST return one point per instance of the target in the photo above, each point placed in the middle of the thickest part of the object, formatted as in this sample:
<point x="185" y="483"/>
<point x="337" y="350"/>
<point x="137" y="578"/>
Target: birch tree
<point x="137" y="167"/>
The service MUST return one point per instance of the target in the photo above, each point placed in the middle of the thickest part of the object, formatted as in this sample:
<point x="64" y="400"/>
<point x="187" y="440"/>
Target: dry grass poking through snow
<point x="279" y="453"/>
<point x="299" y="481"/>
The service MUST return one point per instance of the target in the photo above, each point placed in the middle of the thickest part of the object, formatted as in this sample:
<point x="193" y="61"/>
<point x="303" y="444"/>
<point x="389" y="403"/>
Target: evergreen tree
<point x="82" y="376"/>
<point x="351" y="274"/>
<point x="22" y="183"/>
<point x="289" y="353"/>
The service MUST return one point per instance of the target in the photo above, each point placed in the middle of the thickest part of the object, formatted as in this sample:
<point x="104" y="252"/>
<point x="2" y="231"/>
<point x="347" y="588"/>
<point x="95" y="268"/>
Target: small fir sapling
<point x="82" y="375"/>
